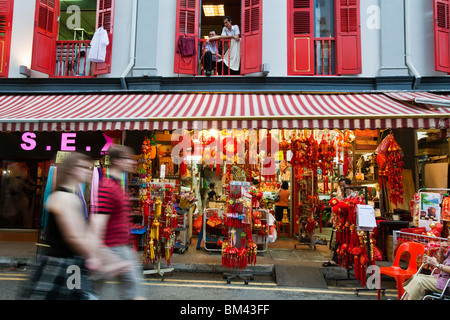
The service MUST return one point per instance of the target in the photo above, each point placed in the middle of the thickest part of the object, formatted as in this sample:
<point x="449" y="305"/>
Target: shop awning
<point x="208" y="110"/>
<point x="425" y="99"/>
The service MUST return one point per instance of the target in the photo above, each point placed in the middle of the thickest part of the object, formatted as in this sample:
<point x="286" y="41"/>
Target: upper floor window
<point x="441" y="13"/>
<point x="324" y="37"/>
<point x="63" y="33"/>
<point x="192" y="23"/>
<point x="6" y="14"/>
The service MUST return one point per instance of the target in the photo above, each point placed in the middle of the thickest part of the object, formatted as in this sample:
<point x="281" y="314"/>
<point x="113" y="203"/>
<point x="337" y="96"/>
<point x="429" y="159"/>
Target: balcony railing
<point x="324" y="53"/>
<point x="71" y="59"/>
<point x="219" y="66"/>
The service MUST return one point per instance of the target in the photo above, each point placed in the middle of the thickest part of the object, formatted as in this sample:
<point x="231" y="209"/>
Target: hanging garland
<point x="390" y="160"/>
<point x="352" y="246"/>
<point x="327" y="153"/>
<point x="446" y="208"/>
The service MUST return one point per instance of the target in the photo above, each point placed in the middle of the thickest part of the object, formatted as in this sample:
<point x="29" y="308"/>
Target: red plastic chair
<point x="416" y="251"/>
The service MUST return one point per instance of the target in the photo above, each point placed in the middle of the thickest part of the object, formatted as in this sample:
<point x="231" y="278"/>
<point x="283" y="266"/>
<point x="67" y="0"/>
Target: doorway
<point x="231" y="8"/>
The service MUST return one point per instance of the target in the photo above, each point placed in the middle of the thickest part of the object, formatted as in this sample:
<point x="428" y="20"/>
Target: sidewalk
<point x="280" y="253"/>
<point x="283" y="251"/>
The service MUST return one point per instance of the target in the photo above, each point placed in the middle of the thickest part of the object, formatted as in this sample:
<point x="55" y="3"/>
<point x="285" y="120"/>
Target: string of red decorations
<point x="390" y="160"/>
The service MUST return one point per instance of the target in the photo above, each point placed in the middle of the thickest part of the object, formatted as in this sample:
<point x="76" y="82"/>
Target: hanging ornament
<point x="390" y="161"/>
<point x="446" y="208"/>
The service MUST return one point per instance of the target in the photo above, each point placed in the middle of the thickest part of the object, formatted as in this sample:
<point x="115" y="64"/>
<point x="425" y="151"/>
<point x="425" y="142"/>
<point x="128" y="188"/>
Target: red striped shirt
<point x="113" y="201"/>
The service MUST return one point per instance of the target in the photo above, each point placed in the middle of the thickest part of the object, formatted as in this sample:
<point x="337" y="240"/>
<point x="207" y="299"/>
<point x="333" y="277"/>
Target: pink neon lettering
<point x="30" y="143"/>
<point x="66" y="139"/>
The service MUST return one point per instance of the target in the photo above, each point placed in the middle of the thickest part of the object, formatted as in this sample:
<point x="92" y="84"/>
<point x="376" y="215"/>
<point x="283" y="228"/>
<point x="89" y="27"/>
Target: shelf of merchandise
<point x="210" y="239"/>
<point x="183" y="227"/>
<point x="261" y="240"/>
<point x="211" y="235"/>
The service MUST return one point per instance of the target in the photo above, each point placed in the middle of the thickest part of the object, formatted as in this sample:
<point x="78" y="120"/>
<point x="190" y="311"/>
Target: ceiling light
<point x="214" y="10"/>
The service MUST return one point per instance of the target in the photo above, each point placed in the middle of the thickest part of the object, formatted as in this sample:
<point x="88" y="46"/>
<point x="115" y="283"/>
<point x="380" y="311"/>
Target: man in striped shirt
<point x="111" y="223"/>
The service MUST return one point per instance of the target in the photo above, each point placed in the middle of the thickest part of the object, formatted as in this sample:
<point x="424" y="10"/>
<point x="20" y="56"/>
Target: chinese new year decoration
<point x="352" y="245"/>
<point x="390" y="160"/>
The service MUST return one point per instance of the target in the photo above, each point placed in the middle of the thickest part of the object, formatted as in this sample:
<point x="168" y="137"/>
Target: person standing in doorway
<point x="111" y="223"/>
<point x="283" y="203"/>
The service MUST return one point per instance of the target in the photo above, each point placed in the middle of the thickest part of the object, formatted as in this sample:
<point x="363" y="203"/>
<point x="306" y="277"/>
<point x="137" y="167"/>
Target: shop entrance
<point x="21" y="193"/>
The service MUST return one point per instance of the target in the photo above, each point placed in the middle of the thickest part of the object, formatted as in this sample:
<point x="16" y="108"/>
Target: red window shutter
<point x="105" y="19"/>
<point x="186" y="26"/>
<point x="300" y="37"/>
<point x="251" y="36"/>
<point x="6" y="10"/>
<point x="348" y="37"/>
<point x="45" y="36"/>
<point x="441" y="14"/>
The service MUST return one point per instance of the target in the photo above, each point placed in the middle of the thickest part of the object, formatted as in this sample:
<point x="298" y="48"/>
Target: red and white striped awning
<point x="212" y="110"/>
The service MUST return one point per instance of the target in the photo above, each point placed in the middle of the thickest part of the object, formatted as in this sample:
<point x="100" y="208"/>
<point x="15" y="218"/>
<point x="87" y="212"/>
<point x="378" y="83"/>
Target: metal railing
<point x="324" y="54"/>
<point x="219" y="66"/>
<point x="71" y="59"/>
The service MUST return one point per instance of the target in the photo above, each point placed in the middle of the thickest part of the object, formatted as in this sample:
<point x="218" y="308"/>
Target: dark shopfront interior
<point x="25" y="158"/>
<point x="25" y="161"/>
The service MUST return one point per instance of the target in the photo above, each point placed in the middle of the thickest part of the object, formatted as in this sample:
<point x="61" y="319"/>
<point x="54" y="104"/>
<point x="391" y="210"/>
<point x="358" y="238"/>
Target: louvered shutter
<point x="348" y="37"/>
<point x="300" y="37"/>
<point x="187" y="24"/>
<point x="6" y="9"/>
<point x="441" y="14"/>
<point x="105" y="19"/>
<point x="45" y="36"/>
<point x="251" y="36"/>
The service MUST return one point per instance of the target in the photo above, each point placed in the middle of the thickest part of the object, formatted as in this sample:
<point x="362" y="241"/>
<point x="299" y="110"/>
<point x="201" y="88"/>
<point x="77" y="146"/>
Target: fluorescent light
<point x="214" y="10"/>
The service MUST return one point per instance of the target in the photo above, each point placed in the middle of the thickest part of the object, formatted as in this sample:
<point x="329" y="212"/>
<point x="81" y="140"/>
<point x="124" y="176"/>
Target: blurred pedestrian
<point x="63" y="270"/>
<point x="111" y="223"/>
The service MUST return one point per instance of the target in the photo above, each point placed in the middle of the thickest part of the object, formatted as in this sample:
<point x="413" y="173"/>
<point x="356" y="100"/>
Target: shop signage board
<point x="45" y="145"/>
<point x="430" y="209"/>
<point x="365" y="217"/>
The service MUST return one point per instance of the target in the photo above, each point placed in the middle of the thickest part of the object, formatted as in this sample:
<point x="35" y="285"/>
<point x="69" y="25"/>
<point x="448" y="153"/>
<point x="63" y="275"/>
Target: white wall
<point x="422" y="39"/>
<point x="21" y="37"/>
<point x="159" y="46"/>
<point x="275" y="37"/>
<point x="121" y="38"/>
<point x="166" y="38"/>
<point x="370" y="37"/>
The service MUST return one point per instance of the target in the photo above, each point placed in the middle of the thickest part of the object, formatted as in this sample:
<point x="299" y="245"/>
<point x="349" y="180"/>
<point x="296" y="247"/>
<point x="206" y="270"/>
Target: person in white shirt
<point x="99" y="43"/>
<point x="232" y="32"/>
<point x="229" y="30"/>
